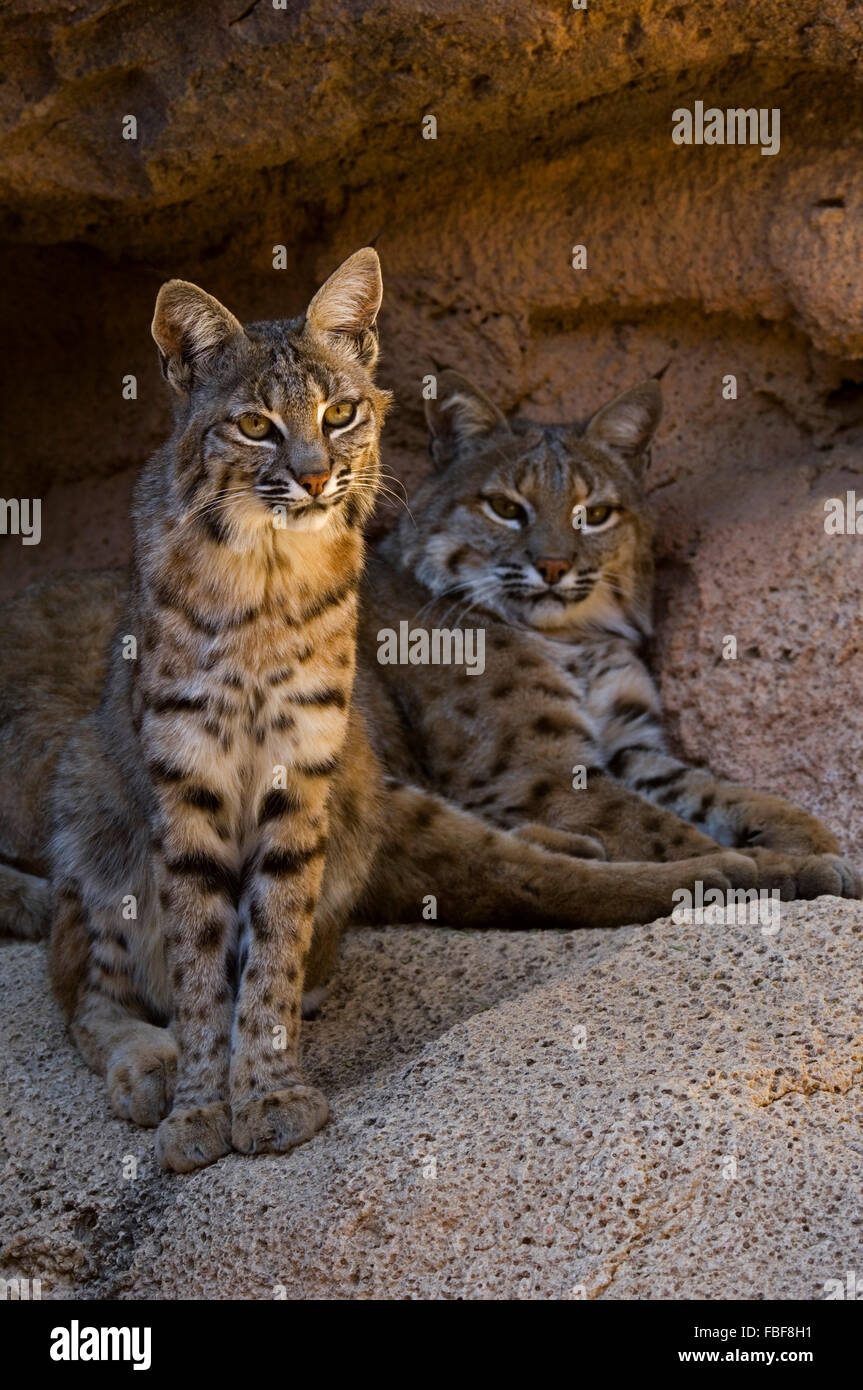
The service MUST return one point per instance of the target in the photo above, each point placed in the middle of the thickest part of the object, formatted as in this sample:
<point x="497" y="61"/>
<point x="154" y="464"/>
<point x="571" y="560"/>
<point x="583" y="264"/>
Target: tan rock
<point x="701" y="1138"/>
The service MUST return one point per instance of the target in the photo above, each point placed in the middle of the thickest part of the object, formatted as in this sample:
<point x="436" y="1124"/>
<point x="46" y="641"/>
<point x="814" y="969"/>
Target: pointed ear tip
<point x="164" y="293"/>
<point x="651" y="392"/>
<point x="173" y="285"/>
<point x="366" y="258"/>
<point x="172" y="290"/>
<point x="161" y="308"/>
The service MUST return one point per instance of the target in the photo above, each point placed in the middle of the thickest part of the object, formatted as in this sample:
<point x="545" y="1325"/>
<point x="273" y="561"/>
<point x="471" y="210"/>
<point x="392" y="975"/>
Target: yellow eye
<point x="596" y="516"/>
<point x="339" y="414"/>
<point x="504" y="507"/>
<point x="255" y="426"/>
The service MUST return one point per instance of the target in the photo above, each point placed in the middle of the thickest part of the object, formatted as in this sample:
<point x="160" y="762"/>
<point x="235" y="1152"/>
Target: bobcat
<point x="474" y="801"/>
<point x="190" y="810"/>
<point x="543" y="533"/>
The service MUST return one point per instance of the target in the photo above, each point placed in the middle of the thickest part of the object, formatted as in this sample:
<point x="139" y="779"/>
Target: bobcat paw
<point x="190" y="1139"/>
<point x="850" y="883"/>
<point x="726" y="870"/>
<point x="141" y="1079"/>
<point x="807" y="875"/>
<point x="785" y="829"/>
<point x="277" y="1122"/>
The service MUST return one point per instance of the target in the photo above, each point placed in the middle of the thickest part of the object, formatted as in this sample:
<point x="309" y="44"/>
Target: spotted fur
<point x="191" y="809"/>
<point x="566" y="696"/>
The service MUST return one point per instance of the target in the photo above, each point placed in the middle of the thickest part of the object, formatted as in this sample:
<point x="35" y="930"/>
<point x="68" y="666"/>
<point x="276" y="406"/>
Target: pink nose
<point x="314" y="482"/>
<point x="552" y="570"/>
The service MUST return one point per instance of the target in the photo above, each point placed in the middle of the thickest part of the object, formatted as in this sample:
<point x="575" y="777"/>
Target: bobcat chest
<point x="565" y="665"/>
<point x="247" y="705"/>
<point x="279" y="698"/>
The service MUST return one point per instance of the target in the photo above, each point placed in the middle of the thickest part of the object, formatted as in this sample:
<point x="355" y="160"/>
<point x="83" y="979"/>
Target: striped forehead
<point x="548" y="467"/>
<point x="283" y="376"/>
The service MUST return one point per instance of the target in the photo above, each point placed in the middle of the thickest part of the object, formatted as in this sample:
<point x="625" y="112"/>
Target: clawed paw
<point x="278" y="1121"/>
<point x="192" y="1138"/>
<point x="141" y="1079"/>
<point x="807" y="875"/>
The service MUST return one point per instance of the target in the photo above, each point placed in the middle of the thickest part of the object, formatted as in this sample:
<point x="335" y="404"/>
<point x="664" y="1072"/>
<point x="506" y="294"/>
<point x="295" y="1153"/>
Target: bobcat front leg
<point x="272" y="1107"/>
<point x="627" y="826"/>
<point x="794" y="851"/>
<point x="25" y="904"/>
<point x="197" y="889"/>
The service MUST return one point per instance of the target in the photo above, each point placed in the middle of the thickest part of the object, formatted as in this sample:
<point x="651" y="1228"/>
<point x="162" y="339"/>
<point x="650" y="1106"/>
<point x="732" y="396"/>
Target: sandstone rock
<point x="704" y="1142"/>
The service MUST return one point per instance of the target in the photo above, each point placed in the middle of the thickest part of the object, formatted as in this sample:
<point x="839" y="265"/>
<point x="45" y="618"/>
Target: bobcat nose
<point x="310" y="466"/>
<point x="314" y="483"/>
<point x="552" y="570"/>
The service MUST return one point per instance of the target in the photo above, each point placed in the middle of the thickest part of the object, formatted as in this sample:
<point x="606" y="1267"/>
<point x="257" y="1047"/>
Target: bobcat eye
<point x="506" y="509"/>
<point x="340" y="414"/>
<point x="597" y="516"/>
<point x="255" y="426"/>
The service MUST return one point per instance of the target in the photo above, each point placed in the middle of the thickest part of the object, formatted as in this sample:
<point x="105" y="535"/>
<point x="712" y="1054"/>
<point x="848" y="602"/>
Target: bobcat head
<point x="546" y="526"/>
<point x="277" y="422"/>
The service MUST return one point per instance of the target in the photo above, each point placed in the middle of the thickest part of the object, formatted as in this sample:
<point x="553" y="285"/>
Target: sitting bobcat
<point x="476" y="805"/>
<point x="191" y="810"/>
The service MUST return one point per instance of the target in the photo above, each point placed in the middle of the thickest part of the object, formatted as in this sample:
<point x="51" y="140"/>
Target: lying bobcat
<point x="543" y="536"/>
<point x="478" y="807"/>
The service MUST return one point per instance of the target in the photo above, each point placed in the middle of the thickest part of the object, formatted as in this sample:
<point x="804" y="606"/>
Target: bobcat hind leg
<point x="92" y="975"/>
<point x="25" y="904"/>
<point x="481" y="876"/>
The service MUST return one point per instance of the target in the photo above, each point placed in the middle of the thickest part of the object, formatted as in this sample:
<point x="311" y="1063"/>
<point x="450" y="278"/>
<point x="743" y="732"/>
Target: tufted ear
<point x="628" y="423"/>
<point x="460" y="416"/>
<point x="190" y="327"/>
<point x="346" y="307"/>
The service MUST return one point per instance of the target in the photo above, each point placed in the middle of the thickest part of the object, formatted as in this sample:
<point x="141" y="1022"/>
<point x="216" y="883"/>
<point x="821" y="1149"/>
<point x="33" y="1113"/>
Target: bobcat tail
<point x="24" y="904"/>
